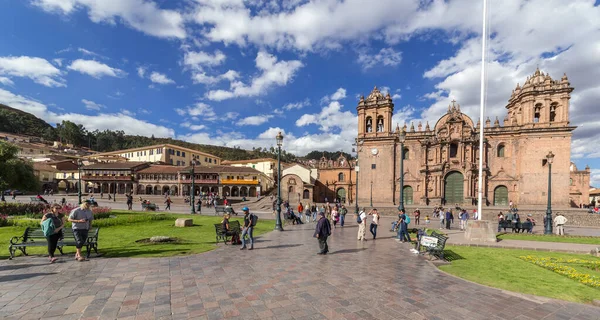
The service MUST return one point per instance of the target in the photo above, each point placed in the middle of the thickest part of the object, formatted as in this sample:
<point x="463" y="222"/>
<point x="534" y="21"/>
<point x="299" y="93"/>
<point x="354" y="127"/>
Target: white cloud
<point x="231" y="115"/>
<point x="6" y="81"/>
<point x="595" y="178"/>
<point x="90" y="53"/>
<point x="37" y="69"/>
<point x="141" y="15"/>
<point x="95" y="69"/>
<point x="102" y="121"/>
<point x="127" y="112"/>
<point x="273" y="73"/>
<point x="297" y="105"/>
<point x="91" y="105"/>
<point x="385" y="57"/>
<point x="141" y="71"/>
<point x="200" y="60"/>
<point x="58" y="62"/>
<point x="339" y="94"/>
<point x="198" y="109"/>
<point x="255" y="120"/>
<point x="160" y="78"/>
<point x="193" y="127"/>
<point x="144" y="111"/>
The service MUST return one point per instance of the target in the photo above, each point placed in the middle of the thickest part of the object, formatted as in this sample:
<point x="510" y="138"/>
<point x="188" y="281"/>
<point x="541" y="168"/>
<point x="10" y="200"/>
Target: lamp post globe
<point x="548" y="224"/>
<point x="401" y="139"/>
<point x="279" y="139"/>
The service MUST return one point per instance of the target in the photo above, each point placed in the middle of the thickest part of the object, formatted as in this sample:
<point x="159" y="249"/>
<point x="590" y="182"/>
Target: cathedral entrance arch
<point x="341" y="195"/>
<point x="407" y="195"/>
<point x="454" y="188"/>
<point x="501" y="196"/>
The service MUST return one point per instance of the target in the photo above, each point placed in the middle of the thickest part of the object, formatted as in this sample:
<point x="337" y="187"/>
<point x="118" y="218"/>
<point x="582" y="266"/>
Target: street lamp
<point x="371" y="204"/>
<point x="279" y="139"/>
<point x="548" y="225"/>
<point x="193" y="202"/>
<point x="401" y="139"/>
<point x="79" y="165"/>
<point x="357" y="144"/>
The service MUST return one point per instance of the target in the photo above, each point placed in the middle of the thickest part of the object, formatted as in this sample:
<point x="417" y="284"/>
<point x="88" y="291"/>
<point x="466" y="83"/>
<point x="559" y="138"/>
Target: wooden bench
<point x="519" y="227"/>
<point x="34" y="237"/>
<point x="437" y="248"/>
<point x="234" y="229"/>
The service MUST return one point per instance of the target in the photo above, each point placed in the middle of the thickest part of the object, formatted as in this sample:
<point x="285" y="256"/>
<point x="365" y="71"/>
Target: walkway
<point x="282" y="278"/>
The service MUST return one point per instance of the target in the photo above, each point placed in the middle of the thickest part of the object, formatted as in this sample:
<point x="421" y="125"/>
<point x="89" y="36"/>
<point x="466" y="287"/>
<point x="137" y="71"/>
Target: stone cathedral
<point x="441" y="162"/>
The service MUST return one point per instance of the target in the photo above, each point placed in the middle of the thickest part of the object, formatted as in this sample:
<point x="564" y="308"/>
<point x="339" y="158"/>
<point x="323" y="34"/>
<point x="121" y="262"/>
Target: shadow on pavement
<point x="347" y="251"/>
<point x="280" y="246"/>
<point x="22" y="276"/>
<point x="18" y="266"/>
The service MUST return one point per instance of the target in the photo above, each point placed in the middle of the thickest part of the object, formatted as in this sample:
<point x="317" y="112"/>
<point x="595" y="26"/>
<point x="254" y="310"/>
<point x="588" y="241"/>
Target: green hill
<point x="20" y="122"/>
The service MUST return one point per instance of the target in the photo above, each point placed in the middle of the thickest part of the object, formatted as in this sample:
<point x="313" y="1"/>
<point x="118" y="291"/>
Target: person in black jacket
<point x="322" y="231"/>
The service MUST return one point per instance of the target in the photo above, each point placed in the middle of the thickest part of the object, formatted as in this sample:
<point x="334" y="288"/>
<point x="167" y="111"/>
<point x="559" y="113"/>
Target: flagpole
<point x="481" y="111"/>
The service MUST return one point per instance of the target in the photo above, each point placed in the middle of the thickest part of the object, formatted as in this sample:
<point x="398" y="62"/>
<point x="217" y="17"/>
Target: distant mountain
<point x="20" y="122"/>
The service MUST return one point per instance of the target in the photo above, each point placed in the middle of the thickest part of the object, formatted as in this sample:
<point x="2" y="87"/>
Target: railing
<point x="230" y="181"/>
<point x="206" y="181"/>
<point x="107" y="178"/>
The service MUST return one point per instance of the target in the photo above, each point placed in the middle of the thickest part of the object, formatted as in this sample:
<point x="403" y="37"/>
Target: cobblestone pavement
<point x="282" y="278"/>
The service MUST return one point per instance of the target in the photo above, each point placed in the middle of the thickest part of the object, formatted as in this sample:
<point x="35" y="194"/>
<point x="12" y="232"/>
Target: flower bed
<point x="21" y="209"/>
<point x="560" y="266"/>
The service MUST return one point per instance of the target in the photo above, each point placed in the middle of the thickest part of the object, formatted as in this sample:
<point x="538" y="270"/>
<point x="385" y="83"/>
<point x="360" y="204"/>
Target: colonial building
<point x="112" y="177"/>
<point x="298" y="183"/>
<point x="165" y="153"/>
<point x="336" y="180"/>
<point x="441" y="162"/>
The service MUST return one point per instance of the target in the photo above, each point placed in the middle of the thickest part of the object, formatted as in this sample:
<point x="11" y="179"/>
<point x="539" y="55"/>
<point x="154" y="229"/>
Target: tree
<point x="14" y="172"/>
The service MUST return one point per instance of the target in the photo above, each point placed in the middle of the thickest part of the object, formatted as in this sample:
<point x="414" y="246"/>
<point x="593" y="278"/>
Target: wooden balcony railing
<point x="238" y="182"/>
<point x="200" y="181"/>
<point x="106" y="178"/>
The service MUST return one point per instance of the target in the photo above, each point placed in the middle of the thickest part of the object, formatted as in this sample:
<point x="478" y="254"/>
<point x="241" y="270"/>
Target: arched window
<point x="340" y="177"/>
<point x="405" y="154"/>
<point x="500" y="152"/>
<point x="369" y="123"/>
<point x="553" y="108"/>
<point x="537" y="111"/>
<point x="380" y="124"/>
<point x="453" y="150"/>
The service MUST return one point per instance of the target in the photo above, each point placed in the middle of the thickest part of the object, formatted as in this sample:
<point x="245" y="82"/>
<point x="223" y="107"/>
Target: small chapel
<point x="441" y="161"/>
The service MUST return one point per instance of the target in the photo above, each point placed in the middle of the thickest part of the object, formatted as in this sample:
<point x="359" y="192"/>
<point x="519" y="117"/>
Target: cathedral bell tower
<point x="375" y="115"/>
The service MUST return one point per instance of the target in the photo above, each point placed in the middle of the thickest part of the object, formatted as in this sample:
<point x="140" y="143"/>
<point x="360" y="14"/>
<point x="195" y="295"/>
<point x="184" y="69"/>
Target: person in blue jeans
<point x="248" y="228"/>
<point x="403" y="230"/>
<point x="343" y="212"/>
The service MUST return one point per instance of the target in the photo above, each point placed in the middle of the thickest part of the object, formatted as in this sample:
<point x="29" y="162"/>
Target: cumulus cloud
<point x="96" y="69"/>
<point x="273" y="73"/>
<point x="6" y="81"/>
<point x="160" y="78"/>
<point x="255" y="120"/>
<point x="297" y="105"/>
<point x="91" y="105"/>
<point x="386" y="57"/>
<point x="102" y="121"/>
<point x="141" y="71"/>
<point x="198" y="109"/>
<point x="37" y="69"/>
<point x="141" y="15"/>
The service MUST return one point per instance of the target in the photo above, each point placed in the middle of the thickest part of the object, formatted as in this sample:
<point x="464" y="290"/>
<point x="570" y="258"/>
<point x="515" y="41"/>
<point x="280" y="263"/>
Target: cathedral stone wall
<point x="442" y="162"/>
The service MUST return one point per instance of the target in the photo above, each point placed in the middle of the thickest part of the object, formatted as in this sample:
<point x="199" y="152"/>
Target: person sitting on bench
<point x="235" y="237"/>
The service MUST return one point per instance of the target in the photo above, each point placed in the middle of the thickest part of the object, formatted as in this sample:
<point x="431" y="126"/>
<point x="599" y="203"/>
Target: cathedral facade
<point x="441" y="162"/>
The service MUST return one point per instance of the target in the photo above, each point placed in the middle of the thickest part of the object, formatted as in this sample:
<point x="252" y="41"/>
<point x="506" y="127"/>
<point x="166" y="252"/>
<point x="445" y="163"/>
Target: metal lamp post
<point x="371" y="202"/>
<point x="193" y="201"/>
<point x="358" y="144"/>
<point x="79" y="165"/>
<point x="401" y="139"/>
<point x="278" y="225"/>
<point x="548" y="225"/>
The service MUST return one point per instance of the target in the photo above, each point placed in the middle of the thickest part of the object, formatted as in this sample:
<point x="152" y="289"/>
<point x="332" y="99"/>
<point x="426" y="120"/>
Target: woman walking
<point x="334" y="216"/>
<point x="58" y="225"/>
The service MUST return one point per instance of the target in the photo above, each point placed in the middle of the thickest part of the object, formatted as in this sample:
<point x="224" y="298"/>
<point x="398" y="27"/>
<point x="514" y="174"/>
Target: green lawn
<point x="550" y="238"/>
<point x="119" y="241"/>
<point x="502" y="268"/>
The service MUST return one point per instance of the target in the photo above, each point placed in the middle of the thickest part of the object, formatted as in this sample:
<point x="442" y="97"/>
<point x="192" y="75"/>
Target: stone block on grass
<point x="480" y="231"/>
<point x="183" y="222"/>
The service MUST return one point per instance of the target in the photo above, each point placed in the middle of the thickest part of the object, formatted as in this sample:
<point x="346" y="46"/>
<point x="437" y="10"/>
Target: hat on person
<point x="245" y="209"/>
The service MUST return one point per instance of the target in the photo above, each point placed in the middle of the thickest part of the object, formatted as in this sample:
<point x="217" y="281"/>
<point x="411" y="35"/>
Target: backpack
<point x="358" y="219"/>
<point x="48" y="227"/>
<point x="407" y="220"/>
<point x="254" y="220"/>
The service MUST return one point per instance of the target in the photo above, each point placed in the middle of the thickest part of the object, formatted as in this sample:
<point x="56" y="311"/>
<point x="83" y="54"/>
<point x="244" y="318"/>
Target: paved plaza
<point x="283" y="278"/>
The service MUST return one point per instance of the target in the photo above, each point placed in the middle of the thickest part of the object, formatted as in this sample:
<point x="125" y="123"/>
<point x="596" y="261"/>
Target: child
<point x="427" y="219"/>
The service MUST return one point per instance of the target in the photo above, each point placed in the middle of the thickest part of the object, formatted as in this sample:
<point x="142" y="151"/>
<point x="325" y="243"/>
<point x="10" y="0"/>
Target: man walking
<point x="464" y="216"/>
<point x="249" y="223"/>
<point x="362" y="225"/>
<point x="322" y="232"/>
<point x="81" y="219"/>
<point x="343" y="212"/>
<point x="559" y="222"/>
<point x="374" y="223"/>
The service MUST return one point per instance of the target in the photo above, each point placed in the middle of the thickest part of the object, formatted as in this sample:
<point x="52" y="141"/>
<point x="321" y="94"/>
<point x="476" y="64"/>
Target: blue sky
<point x="233" y="72"/>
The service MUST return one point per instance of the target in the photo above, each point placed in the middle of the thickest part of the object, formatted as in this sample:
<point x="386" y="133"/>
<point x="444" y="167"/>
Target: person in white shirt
<point x="559" y="223"/>
<point x="362" y="225"/>
<point x="374" y="223"/>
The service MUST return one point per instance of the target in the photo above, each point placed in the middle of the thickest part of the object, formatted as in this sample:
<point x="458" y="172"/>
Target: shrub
<point x="3" y="220"/>
<point x="20" y="209"/>
<point x="98" y="212"/>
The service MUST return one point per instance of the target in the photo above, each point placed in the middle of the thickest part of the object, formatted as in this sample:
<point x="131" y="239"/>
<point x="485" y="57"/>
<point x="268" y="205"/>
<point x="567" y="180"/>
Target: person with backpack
<point x="404" y="221"/>
<point x="81" y="219"/>
<point x="52" y="226"/>
<point x="361" y="219"/>
<point x="249" y="224"/>
<point x="343" y="212"/>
